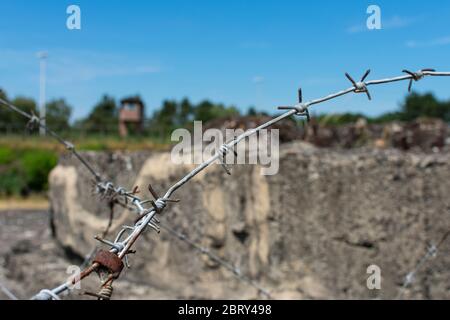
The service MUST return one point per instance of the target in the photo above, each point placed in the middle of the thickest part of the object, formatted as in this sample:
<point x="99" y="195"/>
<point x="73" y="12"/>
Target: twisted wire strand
<point x="69" y="146"/>
<point x="122" y="248"/>
<point x="8" y="292"/>
<point x="224" y="263"/>
<point x="432" y="252"/>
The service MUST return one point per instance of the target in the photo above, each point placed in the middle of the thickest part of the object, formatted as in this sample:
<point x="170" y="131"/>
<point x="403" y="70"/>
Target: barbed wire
<point x="227" y="265"/>
<point x="105" y="233"/>
<point x="8" y="292"/>
<point x="35" y="122"/>
<point x="431" y="253"/>
<point x="111" y="262"/>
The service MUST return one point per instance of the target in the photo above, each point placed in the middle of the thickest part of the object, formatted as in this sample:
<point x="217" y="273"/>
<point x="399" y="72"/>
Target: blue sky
<point x="236" y="52"/>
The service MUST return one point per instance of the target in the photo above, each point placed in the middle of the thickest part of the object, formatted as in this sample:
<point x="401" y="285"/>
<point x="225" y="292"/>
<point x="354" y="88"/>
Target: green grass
<point x="26" y="160"/>
<point x="36" y="165"/>
<point x="84" y="143"/>
<point x="6" y="156"/>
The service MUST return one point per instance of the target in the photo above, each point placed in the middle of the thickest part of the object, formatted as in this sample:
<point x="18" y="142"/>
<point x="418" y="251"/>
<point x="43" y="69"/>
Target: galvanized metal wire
<point x="34" y="121"/>
<point x="432" y="252"/>
<point x="8" y="292"/>
<point x="211" y="255"/>
<point x="128" y="235"/>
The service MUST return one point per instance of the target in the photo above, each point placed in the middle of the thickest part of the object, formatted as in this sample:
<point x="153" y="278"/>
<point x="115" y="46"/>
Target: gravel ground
<point x="27" y="248"/>
<point x="30" y="260"/>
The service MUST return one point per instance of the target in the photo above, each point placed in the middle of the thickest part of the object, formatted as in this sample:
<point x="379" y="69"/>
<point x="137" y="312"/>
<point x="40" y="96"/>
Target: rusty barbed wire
<point x="121" y="247"/>
<point x="431" y="253"/>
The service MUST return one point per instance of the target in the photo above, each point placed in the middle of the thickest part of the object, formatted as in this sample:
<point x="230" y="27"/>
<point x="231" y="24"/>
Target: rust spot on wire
<point x="109" y="261"/>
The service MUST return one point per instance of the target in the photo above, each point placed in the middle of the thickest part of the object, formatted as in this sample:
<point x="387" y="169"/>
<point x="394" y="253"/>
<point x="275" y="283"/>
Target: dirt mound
<point x="422" y="134"/>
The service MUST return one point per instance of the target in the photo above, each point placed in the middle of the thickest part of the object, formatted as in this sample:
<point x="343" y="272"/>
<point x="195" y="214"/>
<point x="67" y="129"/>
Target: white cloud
<point x="398" y="22"/>
<point x="93" y="66"/>
<point x="356" y="28"/>
<point x="431" y="43"/>
<point x="395" y="22"/>
<point x="258" y="79"/>
<point x="76" y="66"/>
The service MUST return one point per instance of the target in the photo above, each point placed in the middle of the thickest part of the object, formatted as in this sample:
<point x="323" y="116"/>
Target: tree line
<point x="414" y="106"/>
<point x="103" y="117"/>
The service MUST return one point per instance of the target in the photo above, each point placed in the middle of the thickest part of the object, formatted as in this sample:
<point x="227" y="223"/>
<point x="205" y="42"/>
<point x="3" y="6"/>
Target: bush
<point x="12" y="182"/>
<point x="25" y="171"/>
<point x="6" y="155"/>
<point x="36" y="165"/>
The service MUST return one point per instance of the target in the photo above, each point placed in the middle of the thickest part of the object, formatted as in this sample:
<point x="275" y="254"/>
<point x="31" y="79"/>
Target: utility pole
<point x="259" y="89"/>
<point x="42" y="111"/>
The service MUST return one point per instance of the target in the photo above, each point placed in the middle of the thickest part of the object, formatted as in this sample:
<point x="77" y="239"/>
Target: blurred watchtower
<point x="131" y="116"/>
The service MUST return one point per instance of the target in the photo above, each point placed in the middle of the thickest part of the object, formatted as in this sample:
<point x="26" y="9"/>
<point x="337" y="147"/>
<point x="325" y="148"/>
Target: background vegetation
<point x="24" y="171"/>
<point x="26" y="159"/>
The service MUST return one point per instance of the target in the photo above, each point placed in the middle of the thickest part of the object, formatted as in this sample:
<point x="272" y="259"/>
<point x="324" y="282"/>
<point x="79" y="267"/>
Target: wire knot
<point x="119" y="246"/>
<point x="33" y="123"/>
<point x="160" y="204"/>
<point x="223" y="150"/>
<point x="105" y="188"/>
<point x="121" y="191"/>
<point x="432" y="251"/>
<point x="361" y="86"/>
<point x="46" y="294"/>
<point x="106" y="292"/>
<point x="69" y="146"/>
<point x="416" y="76"/>
<point x="409" y="278"/>
<point x="300" y="108"/>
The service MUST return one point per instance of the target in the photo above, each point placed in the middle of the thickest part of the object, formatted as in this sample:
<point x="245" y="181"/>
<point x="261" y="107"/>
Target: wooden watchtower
<point x="131" y="116"/>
